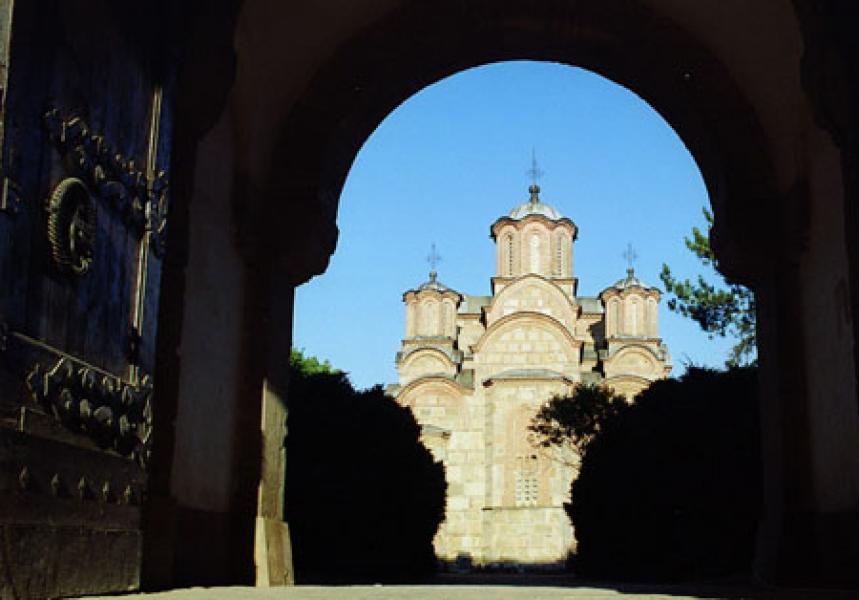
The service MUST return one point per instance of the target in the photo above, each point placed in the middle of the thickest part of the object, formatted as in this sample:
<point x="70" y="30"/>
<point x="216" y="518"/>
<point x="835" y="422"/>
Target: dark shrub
<point x="363" y="497"/>
<point x="671" y="488"/>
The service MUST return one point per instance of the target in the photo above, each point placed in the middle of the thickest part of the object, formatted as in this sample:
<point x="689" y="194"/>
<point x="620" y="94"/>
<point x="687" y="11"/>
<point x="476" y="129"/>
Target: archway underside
<point x="627" y="43"/>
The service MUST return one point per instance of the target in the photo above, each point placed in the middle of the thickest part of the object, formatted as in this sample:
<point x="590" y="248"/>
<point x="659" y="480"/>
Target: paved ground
<point x="432" y="592"/>
<point x="498" y="588"/>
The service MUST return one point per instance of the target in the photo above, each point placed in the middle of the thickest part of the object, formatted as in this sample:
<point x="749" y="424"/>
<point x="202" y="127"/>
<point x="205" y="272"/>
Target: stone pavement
<point x="533" y="589"/>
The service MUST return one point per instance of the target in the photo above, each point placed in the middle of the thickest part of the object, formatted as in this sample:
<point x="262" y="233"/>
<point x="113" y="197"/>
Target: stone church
<point x="475" y="369"/>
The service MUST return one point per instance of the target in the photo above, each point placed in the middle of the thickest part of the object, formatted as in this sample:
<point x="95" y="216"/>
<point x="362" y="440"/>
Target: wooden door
<point x="85" y="150"/>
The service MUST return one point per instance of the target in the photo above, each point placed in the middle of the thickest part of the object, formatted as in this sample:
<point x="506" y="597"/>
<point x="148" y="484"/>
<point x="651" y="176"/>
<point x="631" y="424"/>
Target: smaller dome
<point x="434" y="284"/>
<point x="535" y="206"/>
<point x="631" y="281"/>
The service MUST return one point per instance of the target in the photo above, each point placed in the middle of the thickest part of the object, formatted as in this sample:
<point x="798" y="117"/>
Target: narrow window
<point x="510" y="255"/>
<point x="614" y="317"/>
<point x="633" y="320"/>
<point x="652" y="317"/>
<point x="526" y="480"/>
<point x="535" y="253"/>
<point x="559" y="255"/>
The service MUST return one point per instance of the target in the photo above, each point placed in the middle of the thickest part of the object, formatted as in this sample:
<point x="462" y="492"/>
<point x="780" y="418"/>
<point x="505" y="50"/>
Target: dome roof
<point x="631" y="281"/>
<point x="534" y="206"/>
<point x="434" y="284"/>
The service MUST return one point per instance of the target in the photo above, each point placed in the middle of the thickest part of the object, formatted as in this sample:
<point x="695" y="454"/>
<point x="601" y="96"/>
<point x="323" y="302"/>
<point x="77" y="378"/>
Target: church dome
<point x="534" y="206"/>
<point x="434" y="284"/>
<point x="631" y="281"/>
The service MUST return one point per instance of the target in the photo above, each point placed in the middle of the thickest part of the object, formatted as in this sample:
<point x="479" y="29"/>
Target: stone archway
<point x="310" y="86"/>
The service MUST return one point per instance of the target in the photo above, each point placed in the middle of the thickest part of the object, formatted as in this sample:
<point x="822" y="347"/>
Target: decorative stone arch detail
<point x="409" y="394"/>
<point x="496" y="309"/>
<point x="425" y="361"/>
<point x="568" y="345"/>
<point x="637" y="360"/>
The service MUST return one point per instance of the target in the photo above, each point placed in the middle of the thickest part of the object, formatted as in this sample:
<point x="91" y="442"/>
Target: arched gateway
<point x="171" y="170"/>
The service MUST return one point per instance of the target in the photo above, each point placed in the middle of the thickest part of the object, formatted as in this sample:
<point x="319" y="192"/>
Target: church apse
<point x="474" y="370"/>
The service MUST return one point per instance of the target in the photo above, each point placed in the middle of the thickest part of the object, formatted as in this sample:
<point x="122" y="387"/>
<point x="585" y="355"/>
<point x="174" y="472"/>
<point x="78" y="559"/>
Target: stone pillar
<point x="272" y="549"/>
<point x="784" y="435"/>
<point x="801" y="541"/>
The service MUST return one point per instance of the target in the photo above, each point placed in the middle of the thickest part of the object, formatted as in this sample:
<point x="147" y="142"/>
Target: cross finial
<point x="630" y="257"/>
<point x="534" y="172"/>
<point x="433" y="258"/>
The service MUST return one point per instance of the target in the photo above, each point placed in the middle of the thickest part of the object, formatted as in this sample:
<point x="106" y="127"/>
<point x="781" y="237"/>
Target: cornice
<point x="511" y="376"/>
<point x="421" y="293"/>
<point x="520" y="224"/>
<point x="611" y="292"/>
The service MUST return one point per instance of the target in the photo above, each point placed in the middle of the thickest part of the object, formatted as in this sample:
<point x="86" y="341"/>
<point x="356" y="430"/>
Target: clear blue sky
<point x="453" y="158"/>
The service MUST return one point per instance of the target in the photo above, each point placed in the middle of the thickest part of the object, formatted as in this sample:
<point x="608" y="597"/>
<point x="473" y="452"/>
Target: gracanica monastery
<point x="475" y="369"/>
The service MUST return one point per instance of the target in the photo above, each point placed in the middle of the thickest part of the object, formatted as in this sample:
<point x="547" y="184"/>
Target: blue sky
<point x="453" y="158"/>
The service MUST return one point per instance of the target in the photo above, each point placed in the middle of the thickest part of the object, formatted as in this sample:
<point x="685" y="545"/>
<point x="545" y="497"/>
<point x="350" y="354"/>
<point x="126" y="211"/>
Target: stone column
<point x="272" y="549"/>
<point x="801" y="539"/>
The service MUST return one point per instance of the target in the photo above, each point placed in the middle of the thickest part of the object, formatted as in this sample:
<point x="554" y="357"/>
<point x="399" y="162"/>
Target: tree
<point x="719" y="311"/>
<point x="364" y="497"/>
<point x="310" y="365"/>
<point x="572" y="422"/>
<point x="671" y="486"/>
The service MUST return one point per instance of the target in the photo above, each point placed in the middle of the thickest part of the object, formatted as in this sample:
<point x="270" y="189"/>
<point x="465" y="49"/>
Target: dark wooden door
<point x="85" y="150"/>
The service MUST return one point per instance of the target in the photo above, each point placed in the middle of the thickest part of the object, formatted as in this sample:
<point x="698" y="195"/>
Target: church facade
<point x="475" y="369"/>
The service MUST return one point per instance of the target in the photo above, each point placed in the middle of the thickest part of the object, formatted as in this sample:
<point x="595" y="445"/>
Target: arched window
<point x="509" y="242"/>
<point x="614" y="317"/>
<point x="428" y="318"/>
<point x="410" y="320"/>
<point x="448" y="327"/>
<point x="535" y="253"/>
<point x="634" y="317"/>
<point x="652" y="316"/>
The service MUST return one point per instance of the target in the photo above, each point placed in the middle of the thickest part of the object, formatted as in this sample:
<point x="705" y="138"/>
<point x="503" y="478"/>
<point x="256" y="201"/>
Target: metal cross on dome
<point x="433" y="258"/>
<point x="534" y="172"/>
<point x="630" y="256"/>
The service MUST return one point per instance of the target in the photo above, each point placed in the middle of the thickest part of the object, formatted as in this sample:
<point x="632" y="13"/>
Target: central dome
<point x="535" y="206"/>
